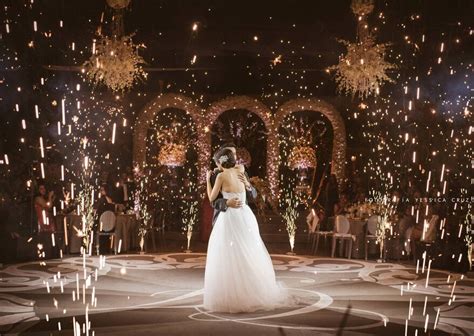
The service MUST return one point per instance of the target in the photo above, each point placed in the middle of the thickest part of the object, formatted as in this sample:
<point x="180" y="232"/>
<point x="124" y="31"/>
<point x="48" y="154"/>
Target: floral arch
<point x="339" y="129"/>
<point x="255" y="106"/>
<point x="146" y="116"/>
<point x="205" y="118"/>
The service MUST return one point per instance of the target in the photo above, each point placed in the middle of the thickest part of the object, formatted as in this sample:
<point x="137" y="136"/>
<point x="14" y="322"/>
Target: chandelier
<point x="115" y="61"/>
<point x="363" y="69"/>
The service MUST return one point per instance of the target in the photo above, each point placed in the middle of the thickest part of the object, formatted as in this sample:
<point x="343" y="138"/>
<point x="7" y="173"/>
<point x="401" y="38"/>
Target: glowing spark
<point x="276" y="60"/>
<point x="113" y="132"/>
<point x="63" y="111"/>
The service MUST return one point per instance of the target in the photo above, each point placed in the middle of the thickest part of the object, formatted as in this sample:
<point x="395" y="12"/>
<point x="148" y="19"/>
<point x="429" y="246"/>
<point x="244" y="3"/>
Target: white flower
<point x="223" y="159"/>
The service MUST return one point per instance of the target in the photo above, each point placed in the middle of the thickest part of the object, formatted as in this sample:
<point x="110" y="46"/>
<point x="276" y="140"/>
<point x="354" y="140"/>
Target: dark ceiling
<point x="229" y="60"/>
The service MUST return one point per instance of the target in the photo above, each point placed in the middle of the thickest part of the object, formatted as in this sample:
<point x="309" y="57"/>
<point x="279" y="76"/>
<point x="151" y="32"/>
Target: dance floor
<point x="161" y="294"/>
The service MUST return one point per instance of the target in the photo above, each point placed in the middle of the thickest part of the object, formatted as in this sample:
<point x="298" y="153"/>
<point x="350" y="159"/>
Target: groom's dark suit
<point x="220" y="203"/>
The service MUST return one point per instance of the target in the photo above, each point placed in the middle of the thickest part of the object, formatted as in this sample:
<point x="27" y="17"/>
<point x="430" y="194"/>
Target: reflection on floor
<point x="161" y="294"/>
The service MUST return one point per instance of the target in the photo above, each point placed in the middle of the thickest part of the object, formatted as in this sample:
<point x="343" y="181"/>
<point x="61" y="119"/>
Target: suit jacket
<point x="220" y="203"/>
<point x="119" y="195"/>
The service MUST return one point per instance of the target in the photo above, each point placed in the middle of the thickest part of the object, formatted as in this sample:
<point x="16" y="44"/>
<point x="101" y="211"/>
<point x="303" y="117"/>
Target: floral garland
<point x="302" y="157"/>
<point x="115" y="63"/>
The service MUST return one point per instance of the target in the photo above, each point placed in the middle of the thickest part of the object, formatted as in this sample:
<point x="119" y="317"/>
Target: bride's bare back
<point x="227" y="181"/>
<point x="230" y="180"/>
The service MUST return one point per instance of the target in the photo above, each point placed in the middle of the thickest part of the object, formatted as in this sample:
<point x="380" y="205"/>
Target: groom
<point x="221" y="203"/>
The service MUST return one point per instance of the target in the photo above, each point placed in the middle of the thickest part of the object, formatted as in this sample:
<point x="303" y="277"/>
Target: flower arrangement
<point x="302" y="157"/>
<point x="172" y="155"/>
<point x="299" y="141"/>
<point x="174" y="137"/>
<point x="264" y="195"/>
<point x="115" y="63"/>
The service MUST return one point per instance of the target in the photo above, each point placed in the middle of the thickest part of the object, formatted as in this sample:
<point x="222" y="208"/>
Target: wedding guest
<point x="105" y="202"/>
<point x="123" y="191"/>
<point x="43" y="204"/>
<point x="331" y="193"/>
<point x="340" y="208"/>
<point x="361" y="197"/>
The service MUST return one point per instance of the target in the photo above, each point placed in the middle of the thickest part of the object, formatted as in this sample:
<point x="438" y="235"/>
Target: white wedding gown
<point x="239" y="273"/>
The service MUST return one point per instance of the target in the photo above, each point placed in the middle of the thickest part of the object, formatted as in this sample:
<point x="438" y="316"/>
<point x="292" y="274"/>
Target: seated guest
<point x="104" y="203"/>
<point x="360" y="197"/>
<point x="340" y="208"/>
<point x="43" y="204"/>
<point x="123" y="193"/>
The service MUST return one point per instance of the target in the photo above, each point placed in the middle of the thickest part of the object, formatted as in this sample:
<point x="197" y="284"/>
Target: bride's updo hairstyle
<point x="226" y="158"/>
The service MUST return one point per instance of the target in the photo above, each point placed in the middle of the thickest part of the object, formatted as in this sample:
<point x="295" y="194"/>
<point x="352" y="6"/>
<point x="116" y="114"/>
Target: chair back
<point x="342" y="225"/>
<point x="372" y="225"/>
<point x="313" y="221"/>
<point x="107" y="221"/>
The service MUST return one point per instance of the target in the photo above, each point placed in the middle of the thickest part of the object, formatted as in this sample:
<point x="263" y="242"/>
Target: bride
<point x="239" y="274"/>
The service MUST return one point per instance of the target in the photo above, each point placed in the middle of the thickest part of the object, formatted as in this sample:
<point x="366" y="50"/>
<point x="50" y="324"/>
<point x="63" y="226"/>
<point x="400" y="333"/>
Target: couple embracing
<point x="239" y="275"/>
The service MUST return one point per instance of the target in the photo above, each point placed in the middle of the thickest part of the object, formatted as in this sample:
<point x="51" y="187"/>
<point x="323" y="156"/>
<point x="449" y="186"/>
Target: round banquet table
<point x="126" y="232"/>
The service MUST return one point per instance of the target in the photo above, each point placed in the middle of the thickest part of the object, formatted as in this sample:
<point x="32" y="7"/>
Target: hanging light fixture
<point x="115" y="61"/>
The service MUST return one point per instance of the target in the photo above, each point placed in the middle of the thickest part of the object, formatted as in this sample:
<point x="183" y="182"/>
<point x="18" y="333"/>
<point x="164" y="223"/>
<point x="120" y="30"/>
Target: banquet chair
<point x="106" y="228"/>
<point x="318" y="233"/>
<point x="428" y="237"/>
<point x="370" y="232"/>
<point x="342" y="233"/>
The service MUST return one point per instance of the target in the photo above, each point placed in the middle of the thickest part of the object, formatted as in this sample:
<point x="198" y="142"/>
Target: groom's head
<point x="215" y="157"/>
<point x="231" y="146"/>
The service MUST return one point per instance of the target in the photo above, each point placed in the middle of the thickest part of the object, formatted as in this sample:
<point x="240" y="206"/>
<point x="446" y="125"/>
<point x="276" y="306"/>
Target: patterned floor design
<point x="162" y="295"/>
